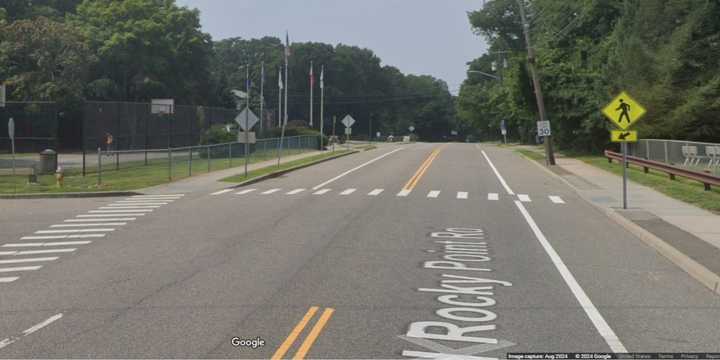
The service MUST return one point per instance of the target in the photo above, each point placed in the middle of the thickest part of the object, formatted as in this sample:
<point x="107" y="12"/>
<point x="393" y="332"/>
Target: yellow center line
<point x="294" y="334"/>
<point x="314" y="333"/>
<point x="423" y="168"/>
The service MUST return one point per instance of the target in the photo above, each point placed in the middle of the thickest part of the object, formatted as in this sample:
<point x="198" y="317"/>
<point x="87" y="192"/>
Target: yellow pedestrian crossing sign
<point x="624" y="111"/>
<point x="624" y="136"/>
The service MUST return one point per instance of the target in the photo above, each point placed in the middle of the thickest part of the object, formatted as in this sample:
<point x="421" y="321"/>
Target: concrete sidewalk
<point x="685" y="234"/>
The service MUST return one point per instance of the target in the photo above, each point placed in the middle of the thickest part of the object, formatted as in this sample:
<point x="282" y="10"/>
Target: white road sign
<point x="252" y="119"/>
<point x="348" y="121"/>
<point x="162" y="106"/>
<point x="11" y="129"/>
<point x="348" y="131"/>
<point x="544" y="128"/>
<point x="411" y="128"/>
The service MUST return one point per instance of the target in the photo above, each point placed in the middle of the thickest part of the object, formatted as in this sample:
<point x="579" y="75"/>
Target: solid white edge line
<point x="592" y="312"/>
<point x="221" y="192"/>
<point x="355" y="169"/>
<point x="43" y="324"/>
<point x="497" y="174"/>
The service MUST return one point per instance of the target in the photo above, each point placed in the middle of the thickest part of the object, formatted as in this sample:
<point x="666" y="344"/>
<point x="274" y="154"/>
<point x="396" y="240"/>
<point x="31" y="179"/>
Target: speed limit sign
<point x="544" y="128"/>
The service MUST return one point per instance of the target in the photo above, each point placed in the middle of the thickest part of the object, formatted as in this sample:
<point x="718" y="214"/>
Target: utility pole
<point x="312" y="88"/>
<point x="549" y="153"/>
<point x="262" y="96"/>
<point x="322" y="106"/>
<point x="280" y="88"/>
<point x="247" y="118"/>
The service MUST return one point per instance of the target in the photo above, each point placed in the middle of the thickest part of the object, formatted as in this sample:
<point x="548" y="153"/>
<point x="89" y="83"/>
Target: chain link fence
<point x="36" y="129"/>
<point x="697" y="156"/>
<point x="186" y="161"/>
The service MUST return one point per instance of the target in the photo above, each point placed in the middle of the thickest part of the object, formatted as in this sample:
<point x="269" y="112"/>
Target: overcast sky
<point x="417" y="36"/>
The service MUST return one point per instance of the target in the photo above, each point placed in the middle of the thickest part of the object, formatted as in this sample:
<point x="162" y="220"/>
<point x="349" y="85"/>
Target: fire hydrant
<point x="59" y="176"/>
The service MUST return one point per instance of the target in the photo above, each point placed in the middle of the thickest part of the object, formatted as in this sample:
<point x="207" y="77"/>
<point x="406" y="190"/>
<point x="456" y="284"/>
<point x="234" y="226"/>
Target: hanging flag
<point x="280" y="83"/>
<point x="322" y="78"/>
<point x="312" y="77"/>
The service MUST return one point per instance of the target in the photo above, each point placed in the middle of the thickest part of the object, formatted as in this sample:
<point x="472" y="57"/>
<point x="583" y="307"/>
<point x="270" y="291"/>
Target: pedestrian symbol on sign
<point x="624" y="108"/>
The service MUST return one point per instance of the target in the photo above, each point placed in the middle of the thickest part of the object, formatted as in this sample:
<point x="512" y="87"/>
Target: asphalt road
<point x="403" y="251"/>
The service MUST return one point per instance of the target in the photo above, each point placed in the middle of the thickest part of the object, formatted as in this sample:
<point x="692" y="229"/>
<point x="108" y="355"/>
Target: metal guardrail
<point x="672" y="171"/>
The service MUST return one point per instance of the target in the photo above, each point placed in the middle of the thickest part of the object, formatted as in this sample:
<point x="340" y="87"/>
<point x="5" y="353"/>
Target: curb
<point x="70" y="195"/>
<point x="690" y="266"/>
<point x="275" y="174"/>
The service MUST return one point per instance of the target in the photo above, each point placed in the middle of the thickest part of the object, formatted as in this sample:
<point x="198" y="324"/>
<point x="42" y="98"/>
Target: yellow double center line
<point x="298" y="329"/>
<point x="423" y="168"/>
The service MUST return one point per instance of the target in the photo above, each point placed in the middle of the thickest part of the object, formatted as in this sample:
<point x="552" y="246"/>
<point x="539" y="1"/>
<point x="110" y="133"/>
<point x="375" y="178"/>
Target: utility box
<point x="48" y="162"/>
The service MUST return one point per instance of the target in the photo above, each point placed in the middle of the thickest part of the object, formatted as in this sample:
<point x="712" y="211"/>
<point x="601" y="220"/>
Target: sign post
<point x="11" y="134"/>
<point x="624" y="111"/>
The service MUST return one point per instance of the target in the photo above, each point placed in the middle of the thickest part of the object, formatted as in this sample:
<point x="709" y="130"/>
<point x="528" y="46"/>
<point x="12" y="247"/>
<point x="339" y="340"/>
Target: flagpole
<point x="262" y="96"/>
<point x="247" y="118"/>
<point x="322" y="106"/>
<point x="280" y="88"/>
<point x="312" y="88"/>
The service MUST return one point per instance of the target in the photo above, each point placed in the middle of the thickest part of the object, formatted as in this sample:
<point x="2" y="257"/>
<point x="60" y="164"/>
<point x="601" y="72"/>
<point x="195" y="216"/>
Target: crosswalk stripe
<point x="295" y="192"/>
<point x="108" y="215"/>
<point x="47" y="244"/>
<point x="74" y="231"/>
<point x="376" y="192"/>
<point x="322" y="192"/>
<point x="8" y="279"/>
<point x="221" y="192"/>
<point x="433" y="194"/>
<point x="348" y="192"/>
<point x="99" y="220"/>
<point x="126" y="211"/>
<point x="90" y="224"/>
<point x="524" y="198"/>
<point x="462" y="195"/>
<point x="271" y="191"/>
<point x="556" y="199"/>
<point x="27" y="260"/>
<point x="493" y="197"/>
<point x="21" y="268"/>
<point x="35" y="252"/>
<point x="404" y="193"/>
<point x="129" y="206"/>
<point x="244" y="192"/>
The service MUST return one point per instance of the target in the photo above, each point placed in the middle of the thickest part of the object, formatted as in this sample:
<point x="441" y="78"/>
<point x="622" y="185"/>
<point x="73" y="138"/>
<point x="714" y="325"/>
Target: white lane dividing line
<point x="48" y="244"/>
<point x="34" y="328"/>
<point x="74" y="231"/>
<point x="322" y="192"/>
<point x="244" y="192"/>
<point x="592" y="312"/>
<point x="20" y="261"/>
<point x="87" y="225"/>
<point x="20" y="268"/>
<point x="556" y="199"/>
<point x="524" y="198"/>
<point x="120" y="211"/>
<point x="497" y="174"/>
<point x="462" y="195"/>
<point x="433" y="194"/>
<point x="221" y="192"/>
<point x="348" y="192"/>
<point x="404" y="193"/>
<point x="355" y="169"/>
<point x="271" y="191"/>
<point x="35" y="252"/>
<point x="98" y="220"/>
<point x="108" y="215"/>
<point x="376" y="192"/>
<point x="493" y="197"/>
<point x="295" y="192"/>
<point x="5" y="280"/>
